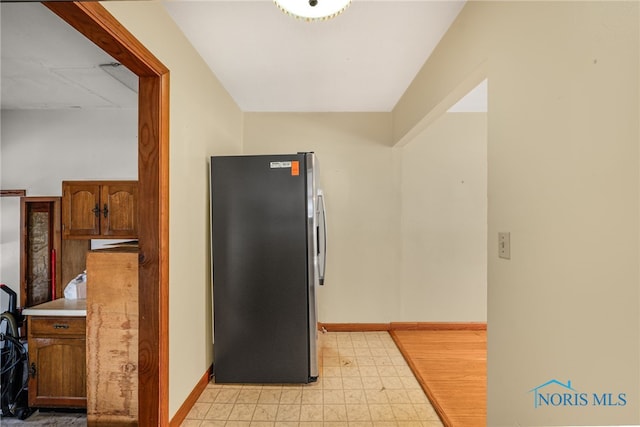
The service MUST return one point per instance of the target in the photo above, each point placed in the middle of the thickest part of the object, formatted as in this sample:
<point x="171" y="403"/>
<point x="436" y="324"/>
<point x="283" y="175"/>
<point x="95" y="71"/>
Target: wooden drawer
<point x="57" y="326"/>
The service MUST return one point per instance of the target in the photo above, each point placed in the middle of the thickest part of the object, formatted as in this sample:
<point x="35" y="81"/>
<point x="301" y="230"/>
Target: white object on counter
<point x="59" y="307"/>
<point x="77" y="287"/>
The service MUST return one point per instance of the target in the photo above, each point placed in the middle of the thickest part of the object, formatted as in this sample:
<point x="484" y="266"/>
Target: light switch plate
<point x="504" y="245"/>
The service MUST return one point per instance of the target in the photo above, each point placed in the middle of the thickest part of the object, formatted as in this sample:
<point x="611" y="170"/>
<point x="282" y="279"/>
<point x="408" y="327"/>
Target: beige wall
<point x="564" y="180"/>
<point x="204" y="121"/>
<point x="444" y="222"/>
<point x="360" y="182"/>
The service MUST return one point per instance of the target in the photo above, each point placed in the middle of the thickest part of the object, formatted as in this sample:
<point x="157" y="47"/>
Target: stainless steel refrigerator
<point x="268" y="241"/>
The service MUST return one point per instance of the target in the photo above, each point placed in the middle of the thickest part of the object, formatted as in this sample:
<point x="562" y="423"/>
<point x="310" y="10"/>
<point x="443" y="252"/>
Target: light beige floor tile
<point x="209" y="395"/>
<point x="311" y="413"/>
<point x="350" y="371"/>
<point x="404" y="412"/>
<point x="334" y="413"/>
<point x="357" y="344"/>
<point x="265" y="412"/>
<point x="364" y="381"/>
<point x="330" y="362"/>
<point x="381" y="360"/>
<point x="313" y="385"/>
<point x="199" y="411"/>
<point x="410" y="383"/>
<point x="332" y="383"/>
<point x="351" y="383"/>
<point x="376" y="396"/>
<point x="376" y="344"/>
<point x="432" y="423"/>
<point x="365" y="361"/>
<point x="270" y="395"/>
<point x="310" y="396"/>
<point x="219" y="411"/>
<point x="288" y="413"/>
<point x="355" y="397"/>
<point x="380" y="352"/>
<point x="425" y="411"/>
<point x="291" y="396"/>
<point x="347" y="351"/>
<point x="252" y="386"/>
<point x="332" y="371"/>
<point x="358" y="413"/>
<point x="418" y="397"/>
<point x="333" y="397"/>
<point x="398" y="396"/>
<point x="371" y="383"/>
<point x="330" y="352"/>
<point x="404" y="370"/>
<point x="227" y="395"/>
<point x="248" y="396"/>
<point x="369" y="370"/>
<point x="213" y="423"/>
<point x="293" y="386"/>
<point x="362" y="351"/>
<point x="381" y="412"/>
<point x="392" y="382"/>
<point x="348" y="361"/>
<point x="387" y="371"/>
<point x="398" y="360"/>
<point x="213" y="384"/>
<point x="242" y="412"/>
<point x="343" y="339"/>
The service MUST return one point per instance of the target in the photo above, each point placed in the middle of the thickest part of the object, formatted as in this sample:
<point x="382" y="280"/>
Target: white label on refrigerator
<point x="280" y="165"/>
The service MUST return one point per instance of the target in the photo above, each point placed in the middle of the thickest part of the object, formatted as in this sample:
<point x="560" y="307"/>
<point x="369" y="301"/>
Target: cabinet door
<point x="119" y="204"/>
<point x="57" y="375"/>
<point x="57" y="361"/>
<point x="81" y="209"/>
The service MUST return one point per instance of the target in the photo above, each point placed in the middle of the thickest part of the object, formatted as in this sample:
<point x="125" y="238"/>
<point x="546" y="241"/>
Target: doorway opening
<point x="94" y="22"/>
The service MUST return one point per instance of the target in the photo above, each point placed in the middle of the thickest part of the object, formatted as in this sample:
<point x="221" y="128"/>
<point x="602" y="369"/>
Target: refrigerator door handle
<point x="322" y="238"/>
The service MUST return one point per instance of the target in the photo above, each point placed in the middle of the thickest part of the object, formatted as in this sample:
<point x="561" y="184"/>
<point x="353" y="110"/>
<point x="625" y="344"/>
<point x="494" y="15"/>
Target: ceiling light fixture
<point x="313" y="10"/>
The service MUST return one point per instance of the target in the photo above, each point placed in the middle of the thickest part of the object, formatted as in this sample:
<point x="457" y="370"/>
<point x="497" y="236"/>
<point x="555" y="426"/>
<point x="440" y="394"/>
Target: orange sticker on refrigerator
<point x="295" y="168"/>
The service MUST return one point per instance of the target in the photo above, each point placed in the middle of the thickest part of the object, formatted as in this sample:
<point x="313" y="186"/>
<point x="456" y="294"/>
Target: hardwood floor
<point x="451" y="366"/>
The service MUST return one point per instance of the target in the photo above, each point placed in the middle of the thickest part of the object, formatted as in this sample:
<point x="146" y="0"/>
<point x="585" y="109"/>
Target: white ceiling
<point x="46" y="64"/>
<point x="362" y="60"/>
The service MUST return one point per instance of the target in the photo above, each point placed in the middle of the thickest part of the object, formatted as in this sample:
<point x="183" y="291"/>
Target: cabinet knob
<point x="96" y="211"/>
<point x="105" y="211"/>
<point x="60" y="326"/>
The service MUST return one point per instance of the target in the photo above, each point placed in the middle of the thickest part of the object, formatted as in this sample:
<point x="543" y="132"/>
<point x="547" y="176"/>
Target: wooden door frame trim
<point x="93" y="21"/>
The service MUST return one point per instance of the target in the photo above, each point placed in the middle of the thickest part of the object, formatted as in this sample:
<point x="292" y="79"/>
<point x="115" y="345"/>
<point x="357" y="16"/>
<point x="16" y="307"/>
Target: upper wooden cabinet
<point x="100" y="209"/>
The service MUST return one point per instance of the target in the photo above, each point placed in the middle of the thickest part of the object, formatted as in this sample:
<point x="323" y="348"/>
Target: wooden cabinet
<point x="100" y="209"/>
<point x="57" y="360"/>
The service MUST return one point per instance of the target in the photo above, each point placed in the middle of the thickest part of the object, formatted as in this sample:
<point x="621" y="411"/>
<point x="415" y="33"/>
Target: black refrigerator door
<point x="259" y="255"/>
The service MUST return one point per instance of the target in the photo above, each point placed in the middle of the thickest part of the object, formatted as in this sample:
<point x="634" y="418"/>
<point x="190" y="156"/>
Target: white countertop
<point x="59" y="307"/>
